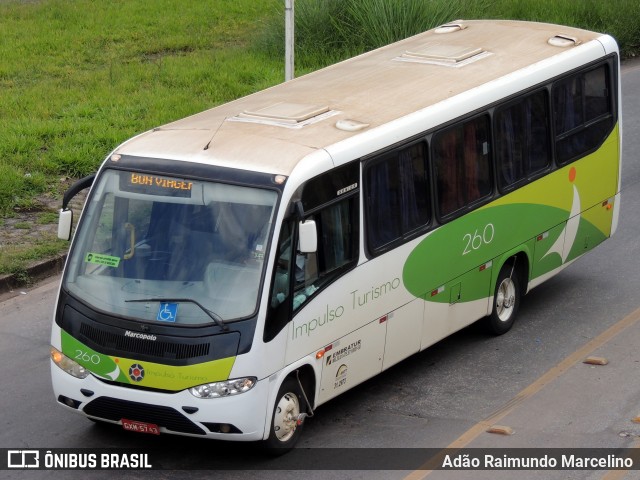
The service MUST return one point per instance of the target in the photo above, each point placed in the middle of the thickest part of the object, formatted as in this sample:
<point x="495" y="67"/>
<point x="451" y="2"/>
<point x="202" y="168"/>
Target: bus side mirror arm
<point x="65" y="219"/>
<point x="78" y="186"/>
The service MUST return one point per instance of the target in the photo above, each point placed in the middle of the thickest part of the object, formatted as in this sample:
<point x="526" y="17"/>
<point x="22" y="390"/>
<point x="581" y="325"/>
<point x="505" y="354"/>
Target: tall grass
<point x="327" y="30"/>
<point x="619" y="18"/>
<point x="79" y="77"/>
<point x="374" y="23"/>
<point x="330" y="30"/>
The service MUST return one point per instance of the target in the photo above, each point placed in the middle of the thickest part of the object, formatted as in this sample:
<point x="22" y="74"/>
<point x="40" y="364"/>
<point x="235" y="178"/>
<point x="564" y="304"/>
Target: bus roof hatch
<point x="285" y="113"/>
<point x="448" y="55"/>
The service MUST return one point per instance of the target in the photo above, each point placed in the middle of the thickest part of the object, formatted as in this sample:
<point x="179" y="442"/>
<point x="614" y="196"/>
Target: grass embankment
<point x="330" y="30"/>
<point x="77" y="78"/>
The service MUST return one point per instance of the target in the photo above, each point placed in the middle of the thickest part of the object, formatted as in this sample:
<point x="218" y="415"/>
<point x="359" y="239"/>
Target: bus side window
<point x="398" y="197"/>
<point x="332" y="200"/>
<point x="447" y="172"/>
<point x="522" y="139"/>
<point x="305" y="275"/>
<point x="582" y="106"/>
<point x="337" y="250"/>
<point x="461" y="161"/>
<point x="477" y="173"/>
<point x="278" y="312"/>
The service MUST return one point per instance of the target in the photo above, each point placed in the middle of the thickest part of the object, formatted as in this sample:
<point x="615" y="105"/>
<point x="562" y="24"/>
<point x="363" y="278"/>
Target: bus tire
<point x="285" y="429"/>
<point x="506" y="301"/>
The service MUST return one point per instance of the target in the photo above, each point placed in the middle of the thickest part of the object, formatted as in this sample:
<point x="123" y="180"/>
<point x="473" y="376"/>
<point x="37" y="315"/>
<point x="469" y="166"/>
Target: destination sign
<point x="155" y="185"/>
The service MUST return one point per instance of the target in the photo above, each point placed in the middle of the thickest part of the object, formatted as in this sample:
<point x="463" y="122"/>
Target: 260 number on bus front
<point x="87" y="358"/>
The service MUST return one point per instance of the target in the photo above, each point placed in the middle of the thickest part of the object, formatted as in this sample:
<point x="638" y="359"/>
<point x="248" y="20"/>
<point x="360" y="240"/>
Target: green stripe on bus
<point x="143" y="373"/>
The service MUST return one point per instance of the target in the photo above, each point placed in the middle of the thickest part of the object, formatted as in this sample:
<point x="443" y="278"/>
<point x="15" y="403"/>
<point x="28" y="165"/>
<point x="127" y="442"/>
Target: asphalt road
<point x="531" y="380"/>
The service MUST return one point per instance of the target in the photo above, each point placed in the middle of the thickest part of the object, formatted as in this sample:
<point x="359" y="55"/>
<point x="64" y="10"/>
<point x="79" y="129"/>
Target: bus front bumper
<point x="239" y="417"/>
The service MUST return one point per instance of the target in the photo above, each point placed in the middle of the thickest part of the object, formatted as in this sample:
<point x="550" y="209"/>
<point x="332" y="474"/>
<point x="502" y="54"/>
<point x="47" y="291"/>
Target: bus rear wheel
<point x="285" y="425"/>
<point x="506" y="300"/>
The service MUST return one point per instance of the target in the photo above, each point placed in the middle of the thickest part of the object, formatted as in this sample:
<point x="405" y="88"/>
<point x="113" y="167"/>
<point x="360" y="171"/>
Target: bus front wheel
<point x="506" y="300"/>
<point x="286" y="423"/>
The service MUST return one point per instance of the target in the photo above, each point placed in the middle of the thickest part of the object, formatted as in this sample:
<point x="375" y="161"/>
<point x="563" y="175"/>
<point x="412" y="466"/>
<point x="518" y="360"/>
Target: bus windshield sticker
<point x="167" y="312"/>
<point x="155" y="185"/>
<point x="100" y="259"/>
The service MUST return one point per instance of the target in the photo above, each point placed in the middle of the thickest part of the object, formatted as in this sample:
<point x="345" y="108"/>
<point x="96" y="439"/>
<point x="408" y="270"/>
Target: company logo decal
<point x="341" y="376"/>
<point x="343" y="352"/>
<point x="141" y="336"/>
<point x="136" y="372"/>
<point x="23" y="459"/>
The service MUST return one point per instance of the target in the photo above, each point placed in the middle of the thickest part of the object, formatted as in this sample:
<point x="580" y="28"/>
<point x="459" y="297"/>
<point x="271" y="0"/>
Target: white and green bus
<point x="234" y="270"/>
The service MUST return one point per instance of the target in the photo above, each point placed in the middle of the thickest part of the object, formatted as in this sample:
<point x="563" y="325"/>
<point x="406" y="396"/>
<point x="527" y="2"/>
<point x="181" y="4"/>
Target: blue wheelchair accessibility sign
<point x="167" y="312"/>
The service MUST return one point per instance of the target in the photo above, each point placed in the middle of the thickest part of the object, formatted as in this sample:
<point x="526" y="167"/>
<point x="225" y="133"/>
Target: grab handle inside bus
<point x="132" y="240"/>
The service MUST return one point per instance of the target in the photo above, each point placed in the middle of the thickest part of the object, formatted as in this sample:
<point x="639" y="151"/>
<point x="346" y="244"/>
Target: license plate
<point x="140" y="427"/>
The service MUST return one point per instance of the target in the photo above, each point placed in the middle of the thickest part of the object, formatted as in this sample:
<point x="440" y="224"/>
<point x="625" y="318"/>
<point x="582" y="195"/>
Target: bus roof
<point x="273" y="130"/>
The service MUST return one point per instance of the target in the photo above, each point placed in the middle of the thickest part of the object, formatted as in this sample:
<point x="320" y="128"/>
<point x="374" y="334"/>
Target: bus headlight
<point x="223" y="389"/>
<point x="70" y="366"/>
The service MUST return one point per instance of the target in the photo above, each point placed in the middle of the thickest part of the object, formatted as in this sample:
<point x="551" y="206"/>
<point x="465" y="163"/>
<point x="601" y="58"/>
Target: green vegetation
<point x="46" y="218"/>
<point x="14" y="259"/>
<point x="77" y="78"/>
<point x="80" y="77"/>
<point x="22" y="226"/>
<point x="330" y="30"/>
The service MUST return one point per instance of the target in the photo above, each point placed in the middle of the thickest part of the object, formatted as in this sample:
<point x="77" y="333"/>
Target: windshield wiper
<point x="212" y="315"/>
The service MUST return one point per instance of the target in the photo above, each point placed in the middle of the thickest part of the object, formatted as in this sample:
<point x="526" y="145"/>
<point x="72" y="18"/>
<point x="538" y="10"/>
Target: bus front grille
<point x="115" y="409"/>
<point x="157" y="349"/>
<point x="159" y="344"/>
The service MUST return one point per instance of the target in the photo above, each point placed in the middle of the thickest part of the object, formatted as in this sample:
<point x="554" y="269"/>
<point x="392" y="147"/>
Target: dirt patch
<point x="26" y="227"/>
<point x="38" y="222"/>
<point x="29" y="231"/>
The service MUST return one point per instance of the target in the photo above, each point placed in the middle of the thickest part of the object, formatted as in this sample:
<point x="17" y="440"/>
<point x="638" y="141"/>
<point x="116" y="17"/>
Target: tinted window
<point x="297" y="276"/>
<point x="522" y="139"/>
<point x="583" y="112"/>
<point x="461" y="164"/>
<point x="397" y="195"/>
<point x="338" y="234"/>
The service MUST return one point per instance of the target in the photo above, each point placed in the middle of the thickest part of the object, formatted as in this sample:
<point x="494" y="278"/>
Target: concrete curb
<point x="36" y="272"/>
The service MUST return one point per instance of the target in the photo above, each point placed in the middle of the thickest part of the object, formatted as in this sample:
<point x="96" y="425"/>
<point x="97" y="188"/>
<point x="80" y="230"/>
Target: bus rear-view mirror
<point x="65" y="220"/>
<point x="308" y="237"/>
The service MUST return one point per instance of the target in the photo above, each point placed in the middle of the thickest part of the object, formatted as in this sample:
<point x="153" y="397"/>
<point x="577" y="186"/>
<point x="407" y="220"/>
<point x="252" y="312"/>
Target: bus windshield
<point x="165" y="249"/>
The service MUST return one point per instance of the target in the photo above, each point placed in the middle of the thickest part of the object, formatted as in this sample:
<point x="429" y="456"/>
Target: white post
<point x="288" y="40"/>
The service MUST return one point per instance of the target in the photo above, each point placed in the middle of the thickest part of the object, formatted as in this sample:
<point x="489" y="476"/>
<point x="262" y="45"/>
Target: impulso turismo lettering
<point x="359" y="299"/>
<point x="364" y="297"/>
<point x="176" y="375"/>
<point x="320" y="321"/>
